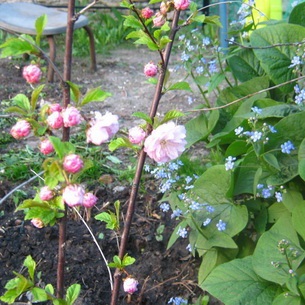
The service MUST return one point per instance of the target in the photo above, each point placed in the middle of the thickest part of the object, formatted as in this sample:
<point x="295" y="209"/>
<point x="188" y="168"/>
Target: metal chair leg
<point x="92" y="47"/>
<point x="52" y="47"/>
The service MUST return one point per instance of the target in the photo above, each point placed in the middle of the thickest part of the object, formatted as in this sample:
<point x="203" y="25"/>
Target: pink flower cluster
<point x="67" y="117"/>
<point x="32" y="74"/>
<point x="181" y="4"/>
<point x="147" y="13"/>
<point x="21" y="129"/>
<point x="73" y="164"/>
<point x="136" y="135"/>
<point x="46" y="193"/>
<point x="46" y="147"/>
<point x="167" y="142"/>
<point x="75" y="195"/>
<point x="102" y="128"/>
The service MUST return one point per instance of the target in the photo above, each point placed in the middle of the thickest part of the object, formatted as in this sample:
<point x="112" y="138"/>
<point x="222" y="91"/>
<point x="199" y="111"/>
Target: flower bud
<point x="73" y="195"/>
<point x="73" y="164"/>
<point x="46" y="147"/>
<point x="32" y="74"/>
<point x="136" y="135"/>
<point x="163" y="8"/>
<point x="54" y="107"/>
<point x="150" y="69"/>
<point x="147" y="13"/>
<point x="89" y="200"/>
<point x="71" y="116"/>
<point x="46" y="194"/>
<point x="181" y="4"/>
<point x="130" y="285"/>
<point x="21" y="129"/>
<point x="36" y="222"/>
<point x="55" y="120"/>
<point x="159" y="20"/>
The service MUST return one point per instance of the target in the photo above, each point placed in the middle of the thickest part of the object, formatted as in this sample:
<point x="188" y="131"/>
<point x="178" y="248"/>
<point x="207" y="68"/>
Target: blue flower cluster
<point x="268" y="191"/>
<point x="177" y="301"/>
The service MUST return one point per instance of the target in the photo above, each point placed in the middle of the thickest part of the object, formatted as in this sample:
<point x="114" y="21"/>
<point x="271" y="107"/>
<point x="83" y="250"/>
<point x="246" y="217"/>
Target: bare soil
<point x="162" y="273"/>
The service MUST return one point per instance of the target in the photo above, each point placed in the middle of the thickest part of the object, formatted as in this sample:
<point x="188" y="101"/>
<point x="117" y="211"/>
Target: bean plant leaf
<point x="236" y="282"/>
<point x="267" y="253"/>
<point x="72" y="293"/>
<point x="275" y="60"/>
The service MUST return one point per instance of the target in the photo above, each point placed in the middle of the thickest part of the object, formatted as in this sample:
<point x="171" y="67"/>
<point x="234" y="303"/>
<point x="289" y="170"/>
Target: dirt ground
<point x="162" y="273"/>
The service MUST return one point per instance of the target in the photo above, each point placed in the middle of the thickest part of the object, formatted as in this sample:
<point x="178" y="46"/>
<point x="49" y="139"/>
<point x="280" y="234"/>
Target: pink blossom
<point x="103" y="128"/>
<point x="147" y="13"/>
<point x="73" y="163"/>
<point x="46" y="147"/>
<point x="163" y="8"/>
<point x="150" y="69"/>
<point x="136" y="135"/>
<point x="54" y="107"/>
<point x="73" y="195"/>
<point x="89" y="200"/>
<point x="21" y="129"/>
<point x="166" y="142"/>
<point x="46" y="193"/>
<point x="55" y="120"/>
<point x="159" y="20"/>
<point x="130" y="285"/>
<point x="71" y="116"/>
<point x="36" y="222"/>
<point x="181" y="4"/>
<point x="32" y="74"/>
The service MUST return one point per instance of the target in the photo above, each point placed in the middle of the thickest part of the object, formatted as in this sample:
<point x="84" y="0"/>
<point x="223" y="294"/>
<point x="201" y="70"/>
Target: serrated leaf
<point x="15" y="109"/>
<point x="62" y="148"/>
<point x="119" y="143"/>
<point x="180" y="86"/>
<point x="171" y="115"/>
<point x="31" y="265"/>
<point x="132" y="21"/>
<point x="199" y="18"/>
<point x="75" y="92"/>
<point x="16" y="46"/>
<point x="22" y="101"/>
<point x="40" y="25"/>
<point x="95" y="95"/>
<point x="143" y="116"/>
<point x="39" y="295"/>
<point x="128" y="260"/>
<point x="35" y="96"/>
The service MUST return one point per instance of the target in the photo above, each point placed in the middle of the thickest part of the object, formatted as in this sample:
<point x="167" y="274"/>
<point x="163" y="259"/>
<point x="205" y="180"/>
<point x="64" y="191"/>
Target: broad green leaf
<point x="17" y="46"/>
<point x="212" y="186"/>
<point x="245" y="65"/>
<point x="128" y="260"/>
<point x="292" y="199"/>
<point x="180" y="86"/>
<point x="213" y="20"/>
<point x="199" y="18"/>
<point x="208" y="263"/>
<point x="297" y="15"/>
<point x="298" y="216"/>
<point x="15" y="109"/>
<point x="276" y="211"/>
<point x="62" y="148"/>
<point x="287" y="298"/>
<point x="22" y="101"/>
<point x="272" y="161"/>
<point x="275" y="60"/>
<point x="31" y="265"/>
<point x="95" y="95"/>
<point x="236" y="282"/>
<point x="301" y="158"/>
<point x="267" y="252"/>
<point x="72" y="293"/>
<point x="49" y="289"/>
<point x="174" y="235"/>
<point x="171" y="115"/>
<point x="200" y="127"/>
<point x="132" y="21"/>
<point x="215" y="81"/>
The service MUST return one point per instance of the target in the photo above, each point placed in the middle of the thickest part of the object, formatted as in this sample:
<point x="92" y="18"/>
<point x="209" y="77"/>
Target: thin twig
<point x="20" y="186"/>
<point x="249" y="95"/>
<point x="295" y="44"/>
<point x="98" y="246"/>
<point x="76" y="16"/>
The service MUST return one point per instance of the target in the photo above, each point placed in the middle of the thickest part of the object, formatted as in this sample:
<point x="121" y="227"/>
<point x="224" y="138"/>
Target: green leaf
<point x="17" y="46"/>
<point x="201" y="126"/>
<point x="143" y="116"/>
<point x="213" y="20"/>
<point x="287" y="298"/>
<point x="109" y="218"/>
<point x="236" y="282"/>
<point x="35" y="96"/>
<point x="72" y="293"/>
<point x="132" y="21"/>
<point x="301" y="158"/>
<point x="267" y="251"/>
<point x="298" y="216"/>
<point x="245" y="65"/>
<point x="272" y="161"/>
<point x="154" y="1"/>
<point x="95" y="95"/>
<point x="276" y="59"/>
<point x="212" y="186"/>
<point x="39" y="294"/>
<point x="31" y="265"/>
<point x="119" y="143"/>
<point x="75" y="92"/>
<point x="199" y="18"/>
<point x="127" y="260"/>
<point x="62" y="148"/>
<point x="40" y="25"/>
<point x="297" y="15"/>
<point x="171" y="115"/>
<point x="180" y="86"/>
<point x="22" y="101"/>
<point x="292" y="199"/>
<point x="15" y="109"/>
